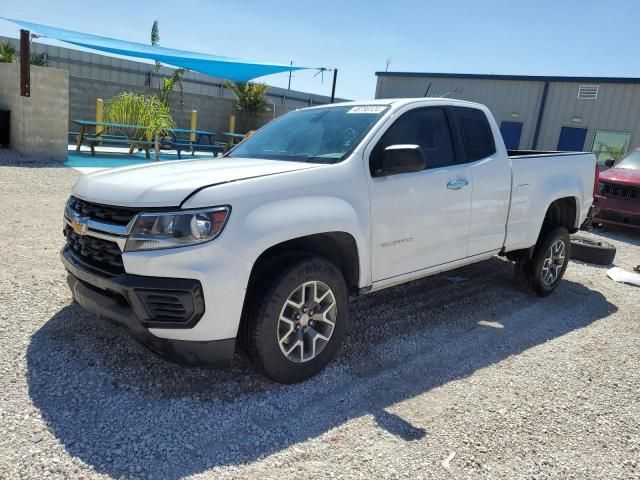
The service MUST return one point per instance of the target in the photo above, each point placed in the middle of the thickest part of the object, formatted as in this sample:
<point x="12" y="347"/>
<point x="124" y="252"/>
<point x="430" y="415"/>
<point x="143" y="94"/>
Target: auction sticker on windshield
<point x="367" y="109"/>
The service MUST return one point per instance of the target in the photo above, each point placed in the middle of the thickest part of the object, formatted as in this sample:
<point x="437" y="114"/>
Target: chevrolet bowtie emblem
<point x="80" y="224"/>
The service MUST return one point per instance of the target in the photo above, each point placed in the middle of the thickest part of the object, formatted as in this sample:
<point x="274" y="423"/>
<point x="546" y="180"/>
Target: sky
<point x="536" y="37"/>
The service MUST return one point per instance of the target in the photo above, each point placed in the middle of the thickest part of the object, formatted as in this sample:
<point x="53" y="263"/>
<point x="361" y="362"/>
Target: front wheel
<point x="299" y="322"/>
<point x="543" y="272"/>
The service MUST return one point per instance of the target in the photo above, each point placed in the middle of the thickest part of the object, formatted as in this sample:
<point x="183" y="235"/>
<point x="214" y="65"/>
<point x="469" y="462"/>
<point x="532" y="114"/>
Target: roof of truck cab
<point x="399" y="102"/>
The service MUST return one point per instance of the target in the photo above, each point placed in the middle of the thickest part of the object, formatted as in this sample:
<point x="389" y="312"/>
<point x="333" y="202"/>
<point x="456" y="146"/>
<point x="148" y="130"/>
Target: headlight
<point x="153" y="231"/>
<point x="600" y="187"/>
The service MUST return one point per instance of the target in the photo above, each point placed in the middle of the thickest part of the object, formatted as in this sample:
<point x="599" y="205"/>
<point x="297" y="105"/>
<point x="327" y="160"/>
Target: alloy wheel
<point x="553" y="262"/>
<point x="307" y="321"/>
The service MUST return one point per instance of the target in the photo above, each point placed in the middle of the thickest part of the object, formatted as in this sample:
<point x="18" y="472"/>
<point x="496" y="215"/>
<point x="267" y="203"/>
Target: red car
<point x="617" y="199"/>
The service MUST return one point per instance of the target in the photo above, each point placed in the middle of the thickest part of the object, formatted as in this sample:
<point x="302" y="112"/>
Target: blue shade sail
<point x="223" y="67"/>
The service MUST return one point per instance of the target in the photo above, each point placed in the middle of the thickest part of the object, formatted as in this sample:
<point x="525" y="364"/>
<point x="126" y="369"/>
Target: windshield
<point x="319" y="135"/>
<point x="631" y="161"/>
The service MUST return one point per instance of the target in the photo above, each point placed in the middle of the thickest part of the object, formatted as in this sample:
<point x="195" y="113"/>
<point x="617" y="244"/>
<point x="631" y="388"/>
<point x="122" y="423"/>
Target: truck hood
<point x="622" y="176"/>
<point x="168" y="184"/>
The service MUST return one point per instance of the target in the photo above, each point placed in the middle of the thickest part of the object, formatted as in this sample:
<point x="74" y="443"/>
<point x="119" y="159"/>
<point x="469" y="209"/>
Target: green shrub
<point x="7" y="53"/>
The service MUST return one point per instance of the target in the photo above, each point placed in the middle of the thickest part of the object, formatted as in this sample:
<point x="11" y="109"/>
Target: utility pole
<point x="333" y="88"/>
<point x="289" y="87"/>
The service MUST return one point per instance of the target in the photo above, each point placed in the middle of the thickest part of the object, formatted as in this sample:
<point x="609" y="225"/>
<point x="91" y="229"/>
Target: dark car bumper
<point x="138" y="303"/>
<point x="617" y="211"/>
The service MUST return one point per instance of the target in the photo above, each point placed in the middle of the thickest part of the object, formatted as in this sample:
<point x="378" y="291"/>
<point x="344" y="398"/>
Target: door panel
<point x="419" y="219"/>
<point x="490" y="204"/>
<point x="417" y="222"/>
<point x="491" y="175"/>
<point x="572" y="139"/>
<point x="511" y="133"/>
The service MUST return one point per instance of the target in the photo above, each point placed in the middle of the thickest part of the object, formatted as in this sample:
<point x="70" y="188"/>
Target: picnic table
<point x="98" y="137"/>
<point x="187" y="144"/>
<point x="178" y="143"/>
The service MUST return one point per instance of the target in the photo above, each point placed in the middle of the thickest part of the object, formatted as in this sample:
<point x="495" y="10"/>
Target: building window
<point x="588" y="91"/>
<point x="610" y="145"/>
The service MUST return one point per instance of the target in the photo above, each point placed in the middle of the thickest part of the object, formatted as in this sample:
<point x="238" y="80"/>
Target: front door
<point x="420" y="219"/>
<point x="572" y="139"/>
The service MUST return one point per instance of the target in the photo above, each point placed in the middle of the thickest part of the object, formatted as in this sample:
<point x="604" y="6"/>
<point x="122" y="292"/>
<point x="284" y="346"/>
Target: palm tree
<point x="250" y="97"/>
<point x="7" y="52"/>
<point x="166" y="85"/>
<point x="155" y="39"/>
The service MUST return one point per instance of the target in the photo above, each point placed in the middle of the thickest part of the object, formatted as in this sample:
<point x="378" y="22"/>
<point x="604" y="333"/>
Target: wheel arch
<point x="561" y="212"/>
<point x="338" y="247"/>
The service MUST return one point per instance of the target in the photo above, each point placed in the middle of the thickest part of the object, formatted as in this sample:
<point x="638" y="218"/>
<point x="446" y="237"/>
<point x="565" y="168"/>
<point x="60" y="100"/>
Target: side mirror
<point x="401" y="159"/>
<point x="609" y="163"/>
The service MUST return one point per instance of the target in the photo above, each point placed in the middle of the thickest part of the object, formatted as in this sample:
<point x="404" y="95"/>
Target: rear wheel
<point x="299" y="322"/>
<point x="542" y="273"/>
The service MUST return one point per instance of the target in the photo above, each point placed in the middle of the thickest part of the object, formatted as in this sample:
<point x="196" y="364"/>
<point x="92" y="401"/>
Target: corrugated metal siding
<point x="616" y="108"/>
<point x="503" y="97"/>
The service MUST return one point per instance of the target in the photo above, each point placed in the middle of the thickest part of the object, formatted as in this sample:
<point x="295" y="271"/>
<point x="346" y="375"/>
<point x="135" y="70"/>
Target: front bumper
<point x="617" y="211"/>
<point x="138" y="303"/>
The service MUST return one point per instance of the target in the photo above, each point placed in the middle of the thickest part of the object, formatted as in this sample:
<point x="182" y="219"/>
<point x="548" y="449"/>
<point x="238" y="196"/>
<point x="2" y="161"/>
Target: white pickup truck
<point x="263" y="248"/>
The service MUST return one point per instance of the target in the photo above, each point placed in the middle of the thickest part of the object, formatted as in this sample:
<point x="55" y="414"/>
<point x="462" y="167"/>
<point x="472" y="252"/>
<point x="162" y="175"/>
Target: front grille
<point x="105" y="213"/>
<point x="620" y="191"/>
<point x="95" y="252"/>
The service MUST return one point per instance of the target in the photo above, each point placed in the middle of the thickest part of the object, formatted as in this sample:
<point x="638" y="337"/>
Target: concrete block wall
<point x="39" y="122"/>
<point x="213" y="112"/>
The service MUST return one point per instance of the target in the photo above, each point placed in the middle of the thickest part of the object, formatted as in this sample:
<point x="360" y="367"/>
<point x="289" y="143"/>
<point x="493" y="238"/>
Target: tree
<point x="250" y="97"/>
<point x="146" y="111"/>
<point x="155" y="39"/>
<point x="7" y="52"/>
<point x="166" y="85"/>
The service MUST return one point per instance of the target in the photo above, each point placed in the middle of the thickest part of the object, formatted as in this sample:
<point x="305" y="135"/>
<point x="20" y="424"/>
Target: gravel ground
<point x="454" y="376"/>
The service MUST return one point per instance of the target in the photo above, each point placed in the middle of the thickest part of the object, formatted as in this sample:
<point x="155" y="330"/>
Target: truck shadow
<point x="102" y="395"/>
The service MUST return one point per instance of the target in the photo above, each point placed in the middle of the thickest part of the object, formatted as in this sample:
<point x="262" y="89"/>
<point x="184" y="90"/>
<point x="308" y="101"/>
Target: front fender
<point x="281" y="220"/>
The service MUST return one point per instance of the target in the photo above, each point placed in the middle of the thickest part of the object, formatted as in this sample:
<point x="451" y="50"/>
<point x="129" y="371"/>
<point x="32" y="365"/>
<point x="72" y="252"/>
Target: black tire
<point x="590" y="250"/>
<point x="263" y="345"/>
<point x="529" y="273"/>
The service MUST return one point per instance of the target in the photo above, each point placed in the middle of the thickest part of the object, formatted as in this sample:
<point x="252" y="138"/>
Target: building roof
<point x="530" y="78"/>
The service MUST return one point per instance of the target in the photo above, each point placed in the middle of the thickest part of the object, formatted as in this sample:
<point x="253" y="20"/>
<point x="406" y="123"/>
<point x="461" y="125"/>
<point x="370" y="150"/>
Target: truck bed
<point x="538" y="178"/>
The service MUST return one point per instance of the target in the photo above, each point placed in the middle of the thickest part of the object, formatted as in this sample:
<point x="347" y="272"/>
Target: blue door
<point x="511" y="132"/>
<point x="572" y="139"/>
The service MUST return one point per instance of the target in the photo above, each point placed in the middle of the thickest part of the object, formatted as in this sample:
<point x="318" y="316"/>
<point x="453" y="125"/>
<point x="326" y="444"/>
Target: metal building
<point x="599" y="114"/>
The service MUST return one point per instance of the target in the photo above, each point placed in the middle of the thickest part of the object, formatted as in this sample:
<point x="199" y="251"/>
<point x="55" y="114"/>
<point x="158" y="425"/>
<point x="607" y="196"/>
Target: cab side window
<point x="426" y="127"/>
<point x="475" y="133"/>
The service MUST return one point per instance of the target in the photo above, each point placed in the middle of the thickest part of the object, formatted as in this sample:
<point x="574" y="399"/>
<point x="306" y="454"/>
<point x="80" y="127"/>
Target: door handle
<point x="457" y="184"/>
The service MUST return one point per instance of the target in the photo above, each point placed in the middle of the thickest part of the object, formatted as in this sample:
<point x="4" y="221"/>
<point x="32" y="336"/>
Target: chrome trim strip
<point x="111" y="228"/>
<point x="118" y="239"/>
